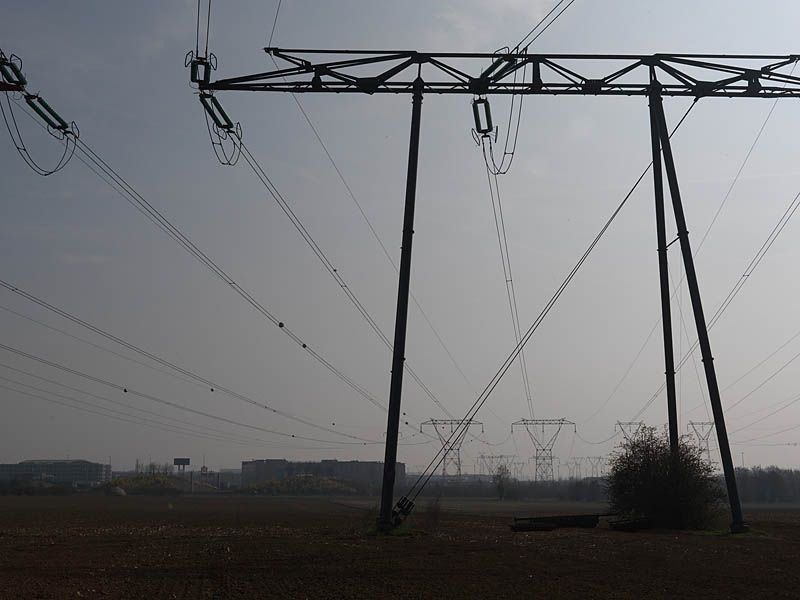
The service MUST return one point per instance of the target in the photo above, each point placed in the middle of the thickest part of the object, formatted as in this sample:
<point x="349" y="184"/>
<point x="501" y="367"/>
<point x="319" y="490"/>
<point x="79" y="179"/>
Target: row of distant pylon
<point x="543" y="434"/>
<point x="701" y="433"/>
<point x="490" y="464"/>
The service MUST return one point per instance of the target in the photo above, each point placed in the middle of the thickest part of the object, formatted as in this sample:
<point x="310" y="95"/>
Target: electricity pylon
<point x="518" y="468"/>
<point x="480" y="75"/>
<point x="490" y="463"/>
<point x="629" y="429"/>
<point x="596" y="464"/>
<point x="451" y="434"/>
<point x="574" y="467"/>
<point x="702" y="432"/>
<point x="543" y="434"/>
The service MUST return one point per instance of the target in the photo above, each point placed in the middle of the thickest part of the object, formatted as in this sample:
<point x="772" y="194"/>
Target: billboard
<point x="180" y="462"/>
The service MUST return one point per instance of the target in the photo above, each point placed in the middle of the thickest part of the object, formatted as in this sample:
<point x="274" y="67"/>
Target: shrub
<point x="501" y="479"/>
<point x="645" y="481"/>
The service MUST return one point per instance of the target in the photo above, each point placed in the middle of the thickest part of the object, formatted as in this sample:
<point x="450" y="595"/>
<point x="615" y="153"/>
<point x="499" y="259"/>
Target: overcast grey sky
<point x="117" y="70"/>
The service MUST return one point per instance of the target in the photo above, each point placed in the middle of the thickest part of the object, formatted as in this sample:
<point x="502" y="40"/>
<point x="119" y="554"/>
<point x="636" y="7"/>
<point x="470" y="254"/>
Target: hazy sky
<point x="117" y="70"/>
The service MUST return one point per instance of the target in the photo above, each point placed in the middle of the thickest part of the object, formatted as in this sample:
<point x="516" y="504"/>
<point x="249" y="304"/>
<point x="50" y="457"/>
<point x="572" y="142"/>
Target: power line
<point x="767" y="435"/>
<point x="165" y="225"/>
<point x="694" y="361"/>
<point x="152" y="398"/>
<point x="262" y="175"/>
<point x="765" y="381"/>
<point x="119" y="416"/>
<point x="516" y="100"/>
<point x="130" y="195"/>
<point x="625" y="199"/>
<point x="761" y="362"/>
<point x="110" y="400"/>
<point x="112" y="178"/>
<point x="758" y="257"/>
<point x="505" y="259"/>
<point x="224" y="435"/>
<point x="749" y="270"/>
<point x="274" y="23"/>
<point x="763" y="408"/>
<point x="705" y="235"/>
<point x="424" y="477"/>
<point x="652" y="330"/>
<point x="97" y="346"/>
<point x="741" y="168"/>
<point x="600" y="443"/>
<point x="210" y="385"/>
<point x="133" y="197"/>
<point x="539" y="24"/>
<point x="277" y="196"/>
<point x="372" y="229"/>
<point x="791" y="402"/>
<point x="274" y="192"/>
<point x="740" y="283"/>
<point x="375" y="234"/>
<point x="217" y="434"/>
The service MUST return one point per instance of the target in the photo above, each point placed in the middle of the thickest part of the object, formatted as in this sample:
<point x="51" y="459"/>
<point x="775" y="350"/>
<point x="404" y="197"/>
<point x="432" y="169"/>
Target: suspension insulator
<point x="215" y="111"/>
<point x="46" y="112"/>
<point x="483" y="116"/>
<point x="11" y="73"/>
<point x="200" y="71"/>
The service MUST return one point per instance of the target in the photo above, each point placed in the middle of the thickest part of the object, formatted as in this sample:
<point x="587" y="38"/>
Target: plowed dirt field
<point x="257" y="547"/>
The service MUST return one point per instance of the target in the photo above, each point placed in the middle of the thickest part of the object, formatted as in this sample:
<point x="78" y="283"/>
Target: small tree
<point x="501" y="478"/>
<point x="645" y="480"/>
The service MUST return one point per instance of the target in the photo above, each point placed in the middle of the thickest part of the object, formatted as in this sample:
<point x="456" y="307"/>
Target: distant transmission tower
<point x="543" y="434"/>
<point x="518" y="469"/>
<point x="451" y="434"/>
<point x="596" y="464"/>
<point x="490" y="463"/>
<point x="574" y="467"/>
<point x="629" y="429"/>
<point x="702" y="432"/>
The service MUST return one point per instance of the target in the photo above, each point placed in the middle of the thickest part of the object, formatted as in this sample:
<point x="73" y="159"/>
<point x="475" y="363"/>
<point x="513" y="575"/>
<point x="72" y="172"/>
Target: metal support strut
<point x="737" y="522"/>
<point x="385" y="519"/>
<point x="663" y="270"/>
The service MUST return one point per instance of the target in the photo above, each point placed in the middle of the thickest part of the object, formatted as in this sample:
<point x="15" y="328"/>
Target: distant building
<point x="255" y="472"/>
<point x="65" y="472"/>
<point x="260" y="471"/>
<point x="230" y="478"/>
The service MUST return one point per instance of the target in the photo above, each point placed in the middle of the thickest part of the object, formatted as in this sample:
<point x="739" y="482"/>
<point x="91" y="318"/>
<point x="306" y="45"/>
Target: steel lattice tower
<point x="596" y="463"/>
<point x="451" y="434"/>
<point x="490" y="463"/>
<point x="518" y="468"/>
<point x="702" y="432"/>
<point x="574" y="465"/>
<point x="543" y="434"/>
<point x="629" y="429"/>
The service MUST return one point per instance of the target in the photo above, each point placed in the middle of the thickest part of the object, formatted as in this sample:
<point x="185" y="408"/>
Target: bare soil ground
<point x="257" y="547"/>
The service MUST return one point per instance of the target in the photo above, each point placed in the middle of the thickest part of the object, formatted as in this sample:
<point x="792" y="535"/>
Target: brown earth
<point x="257" y="547"/>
